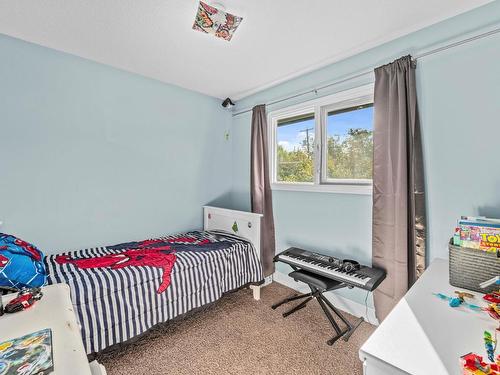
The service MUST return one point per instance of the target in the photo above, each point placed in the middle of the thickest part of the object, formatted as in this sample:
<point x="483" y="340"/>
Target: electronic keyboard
<point x="364" y="277"/>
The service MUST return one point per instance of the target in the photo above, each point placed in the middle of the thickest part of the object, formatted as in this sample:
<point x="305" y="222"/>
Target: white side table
<point x="53" y="311"/>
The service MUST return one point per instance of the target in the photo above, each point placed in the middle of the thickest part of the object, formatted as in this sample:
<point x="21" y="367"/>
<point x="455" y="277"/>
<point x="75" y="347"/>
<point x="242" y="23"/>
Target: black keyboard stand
<point x="319" y="285"/>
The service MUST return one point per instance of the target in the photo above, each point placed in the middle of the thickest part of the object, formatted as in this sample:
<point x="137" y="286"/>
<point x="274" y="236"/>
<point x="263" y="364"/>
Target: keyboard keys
<point x="367" y="277"/>
<point x="329" y="271"/>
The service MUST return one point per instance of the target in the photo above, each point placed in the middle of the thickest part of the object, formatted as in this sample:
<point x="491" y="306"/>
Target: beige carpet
<point x="238" y="335"/>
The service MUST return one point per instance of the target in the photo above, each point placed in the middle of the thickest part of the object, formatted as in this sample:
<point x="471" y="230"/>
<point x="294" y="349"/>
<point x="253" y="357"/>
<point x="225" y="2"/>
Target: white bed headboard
<point x="244" y="224"/>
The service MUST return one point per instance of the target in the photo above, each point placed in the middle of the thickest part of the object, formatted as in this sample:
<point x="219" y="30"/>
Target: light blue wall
<point x="459" y="98"/>
<point x="92" y="155"/>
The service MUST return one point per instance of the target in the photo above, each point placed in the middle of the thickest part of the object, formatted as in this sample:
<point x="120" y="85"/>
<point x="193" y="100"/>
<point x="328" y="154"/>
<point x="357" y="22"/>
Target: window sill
<point x="326" y="188"/>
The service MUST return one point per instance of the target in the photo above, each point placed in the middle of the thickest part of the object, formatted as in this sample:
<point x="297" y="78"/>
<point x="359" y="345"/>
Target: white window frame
<point x="320" y="107"/>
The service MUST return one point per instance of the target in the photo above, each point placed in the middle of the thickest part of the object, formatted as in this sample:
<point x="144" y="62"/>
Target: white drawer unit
<point x="54" y="311"/>
<point x="423" y="335"/>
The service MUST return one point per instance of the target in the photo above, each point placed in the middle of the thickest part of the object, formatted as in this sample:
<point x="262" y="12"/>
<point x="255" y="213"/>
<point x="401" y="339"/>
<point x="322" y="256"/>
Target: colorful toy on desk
<point x="490" y="344"/>
<point x="493" y="297"/>
<point x="473" y="364"/>
<point x="24" y="300"/>
<point x="493" y="308"/>
<point x="493" y="311"/>
<point x="460" y="300"/>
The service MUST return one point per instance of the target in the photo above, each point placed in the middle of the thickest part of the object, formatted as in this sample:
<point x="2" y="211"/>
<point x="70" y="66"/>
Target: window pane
<point x="295" y="149"/>
<point x="350" y="143"/>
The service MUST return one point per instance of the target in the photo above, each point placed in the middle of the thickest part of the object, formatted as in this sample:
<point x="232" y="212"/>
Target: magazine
<point x="27" y="355"/>
<point x="479" y="233"/>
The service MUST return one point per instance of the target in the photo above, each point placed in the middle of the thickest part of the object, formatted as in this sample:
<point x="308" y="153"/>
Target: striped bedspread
<point x="115" y="304"/>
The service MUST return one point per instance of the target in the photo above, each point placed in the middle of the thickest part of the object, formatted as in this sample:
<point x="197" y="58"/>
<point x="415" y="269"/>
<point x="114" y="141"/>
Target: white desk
<point x="53" y="311"/>
<point x="423" y="335"/>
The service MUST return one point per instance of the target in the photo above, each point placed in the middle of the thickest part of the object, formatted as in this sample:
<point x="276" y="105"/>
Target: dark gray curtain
<point x="261" y="194"/>
<point x="398" y="184"/>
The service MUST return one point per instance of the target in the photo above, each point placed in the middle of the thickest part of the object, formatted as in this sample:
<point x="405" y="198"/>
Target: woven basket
<point x="470" y="267"/>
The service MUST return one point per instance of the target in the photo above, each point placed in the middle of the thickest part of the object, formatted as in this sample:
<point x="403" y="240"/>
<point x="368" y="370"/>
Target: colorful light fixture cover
<point x="210" y="20"/>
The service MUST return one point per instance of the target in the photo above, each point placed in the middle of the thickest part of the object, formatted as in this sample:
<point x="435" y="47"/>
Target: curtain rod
<point x="366" y="72"/>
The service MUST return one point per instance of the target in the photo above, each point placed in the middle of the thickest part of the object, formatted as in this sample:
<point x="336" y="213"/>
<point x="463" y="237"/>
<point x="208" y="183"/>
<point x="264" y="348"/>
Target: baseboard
<point x="352" y="307"/>
<point x="268" y="280"/>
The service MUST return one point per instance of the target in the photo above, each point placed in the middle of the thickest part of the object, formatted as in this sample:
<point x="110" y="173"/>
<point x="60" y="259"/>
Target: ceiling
<point x="277" y="39"/>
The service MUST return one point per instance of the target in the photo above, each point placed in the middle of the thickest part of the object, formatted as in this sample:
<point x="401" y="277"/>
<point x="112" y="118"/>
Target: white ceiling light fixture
<point x="214" y="20"/>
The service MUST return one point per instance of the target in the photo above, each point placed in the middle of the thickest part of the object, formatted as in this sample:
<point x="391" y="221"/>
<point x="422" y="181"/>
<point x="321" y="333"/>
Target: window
<point x="295" y="149"/>
<point x="324" y="145"/>
<point x="349" y="144"/>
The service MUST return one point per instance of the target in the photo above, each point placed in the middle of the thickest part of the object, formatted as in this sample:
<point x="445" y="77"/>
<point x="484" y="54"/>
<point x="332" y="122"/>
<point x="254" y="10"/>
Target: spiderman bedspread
<point x="121" y="291"/>
<point x="159" y="253"/>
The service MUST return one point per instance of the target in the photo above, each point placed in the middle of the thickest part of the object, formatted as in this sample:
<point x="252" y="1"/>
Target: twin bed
<point x="121" y="291"/>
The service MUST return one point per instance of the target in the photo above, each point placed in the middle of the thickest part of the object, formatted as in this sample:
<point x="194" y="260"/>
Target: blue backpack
<point x="21" y="264"/>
